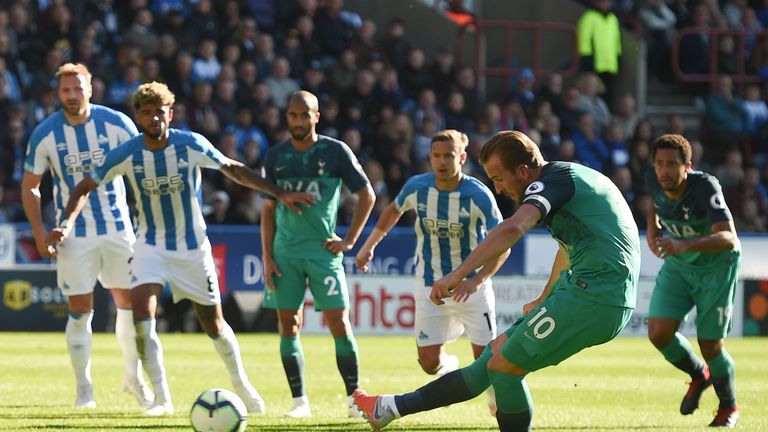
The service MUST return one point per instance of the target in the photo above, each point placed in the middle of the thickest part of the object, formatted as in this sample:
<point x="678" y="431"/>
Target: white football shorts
<point x="80" y="261"/>
<point x="190" y="274"/>
<point x="437" y="325"/>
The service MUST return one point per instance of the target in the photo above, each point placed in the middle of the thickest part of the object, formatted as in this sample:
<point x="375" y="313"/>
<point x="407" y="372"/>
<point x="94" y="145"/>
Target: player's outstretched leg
<point x="513" y="399"/>
<point x="151" y="353"/>
<point x="133" y="379"/>
<point x="695" y="389"/>
<point x="679" y="352"/>
<point x="78" y="334"/>
<point x="722" y="368"/>
<point x="229" y="350"/>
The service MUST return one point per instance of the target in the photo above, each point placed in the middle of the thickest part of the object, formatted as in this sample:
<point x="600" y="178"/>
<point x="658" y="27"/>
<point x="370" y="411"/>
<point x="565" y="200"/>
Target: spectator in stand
<point x="199" y="104"/>
<point x="45" y="76"/>
<point x="727" y="58"/>
<point x="756" y="118"/>
<point x="62" y="32"/>
<point x="441" y="73"/>
<point x="659" y="25"/>
<point x="246" y="81"/>
<point x="414" y="76"/>
<point x="119" y="92"/>
<point x="640" y="161"/>
<point x="552" y="92"/>
<point x="364" y="43"/>
<point x="466" y="83"/>
<point x="571" y="111"/>
<point x="427" y="107"/>
<point x="724" y="117"/>
<point x="615" y="140"/>
<point x="362" y="95"/>
<point x="697" y="157"/>
<point x="388" y="91"/>
<point x="224" y="103"/>
<point x="142" y="34"/>
<point x="180" y="80"/>
<point x="245" y="36"/>
<point x="748" y="189"/>
<point x="244" y="130"/>
<point x="206" y="66"/>
<point x="750" y="219"/>
<point x="694" y="48"/>
<point x="590" y="88"/>
<point x="524" y="90"/>
<point x="567" y="152"/>
<point x="590" y="147"/>
<point x="315" y="82"/>
<point x="280" y="84"/>
<point x="265" y="56"/>
<point x="644" y="131"/>
<point x="394" y="45"/>
<point x="334" y="27"/>
<point x="342" y="74"/>
<point x="733" y="10"/>
<point x="641" y="206"/>
<point x="599" y="41"/>
<point x="542" y="111"/>
<point x="456" y="115"/>
<point x="626" y="112"/>
<point x="218" y="209"/>
<point x="731" y="171"/>
<point x="422" y="142"/>
<point x="675" y="124"/>
<point x="43" y="105"/>
<point x="309" y="45"/>
<point x="513" y="117"/>
<point x="550" y="137"/>
<point x="622" y="178"/>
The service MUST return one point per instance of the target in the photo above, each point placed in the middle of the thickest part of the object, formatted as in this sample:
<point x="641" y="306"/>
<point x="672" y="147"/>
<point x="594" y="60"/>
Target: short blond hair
<point x="153" y="93"/>
<point x="68" y="69"/>
<point x="454" y="136"/>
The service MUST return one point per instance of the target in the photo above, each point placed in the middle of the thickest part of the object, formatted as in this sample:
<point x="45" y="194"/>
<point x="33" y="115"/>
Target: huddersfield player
<point x="303" y="250"/>
<point x="162" y="166"/>
<point x="701" y="256"/>
<point x="587" y="301"/>
<point x="69" y="143"/>
<point x="454" y="212"/>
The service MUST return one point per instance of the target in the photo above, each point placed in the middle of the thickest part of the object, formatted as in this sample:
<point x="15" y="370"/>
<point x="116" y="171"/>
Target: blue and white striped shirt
<point x="71" y="152"/>
<point x="449" y="224"/>
<point x="167" y="186"/>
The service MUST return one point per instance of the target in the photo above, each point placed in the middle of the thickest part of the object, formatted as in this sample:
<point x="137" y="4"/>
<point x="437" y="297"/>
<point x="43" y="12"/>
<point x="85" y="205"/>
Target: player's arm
<point x="387" y="220"/>
<point x="722" y="238"/>
<point x="652" y="229"/>
<point x="561" y="263"/>
<point x="30" y="200"/>
<point x="470" y="286"/>
<point x="245" y="176"/>
<point x="75" y="204"/>
<point x="365" y="201"/>
<point x="500" y="239"/>
<point x="267" y="237"/>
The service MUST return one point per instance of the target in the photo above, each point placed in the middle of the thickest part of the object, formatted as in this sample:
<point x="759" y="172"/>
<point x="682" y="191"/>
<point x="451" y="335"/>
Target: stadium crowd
<point x="232" y="64"/>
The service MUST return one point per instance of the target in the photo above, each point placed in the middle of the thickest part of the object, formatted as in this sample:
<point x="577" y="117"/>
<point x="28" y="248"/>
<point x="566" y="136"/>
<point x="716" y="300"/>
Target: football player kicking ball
<point x="163" y="166"/>
<point x="701" y="268"/>
<point x="587" y="301"/>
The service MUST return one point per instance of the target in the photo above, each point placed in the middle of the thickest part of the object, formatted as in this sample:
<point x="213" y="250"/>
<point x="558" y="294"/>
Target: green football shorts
<point x="559" y="327"/>
<point x="712" y="292"/>
<point x="325" y="278"/>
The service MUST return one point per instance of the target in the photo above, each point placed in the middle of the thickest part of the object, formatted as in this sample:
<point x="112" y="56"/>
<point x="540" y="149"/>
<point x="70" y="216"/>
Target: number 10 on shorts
<point x="542" y="326"/>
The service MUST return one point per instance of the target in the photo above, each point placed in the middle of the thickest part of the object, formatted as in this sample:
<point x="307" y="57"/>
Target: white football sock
<point x="78" y="334"/>
<point x="126" y="338"/>
<point x="229" y="351"/>
<point x="151" y="353"/>
<point x="389" y="400"/>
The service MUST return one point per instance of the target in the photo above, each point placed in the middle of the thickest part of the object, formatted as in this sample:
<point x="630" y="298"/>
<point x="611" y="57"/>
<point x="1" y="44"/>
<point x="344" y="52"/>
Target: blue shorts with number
<point x="324" y="277"/>
<point x="559" y="327"/>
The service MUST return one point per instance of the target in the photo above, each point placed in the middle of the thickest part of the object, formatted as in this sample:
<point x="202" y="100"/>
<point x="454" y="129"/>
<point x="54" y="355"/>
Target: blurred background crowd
<point x="232" y="63"/>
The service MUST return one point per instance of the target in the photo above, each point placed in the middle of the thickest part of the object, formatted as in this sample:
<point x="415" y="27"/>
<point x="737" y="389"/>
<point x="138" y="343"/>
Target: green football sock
<point x="513" y="401"/>
<point x="722" y="370"/>
<point x="346" y="361"/>
<point x="679" y="352"/>
<point x="293" y="363"/>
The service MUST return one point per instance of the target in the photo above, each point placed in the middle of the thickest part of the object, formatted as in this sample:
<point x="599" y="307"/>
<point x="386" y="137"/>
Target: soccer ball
<point x="218" y="410"/>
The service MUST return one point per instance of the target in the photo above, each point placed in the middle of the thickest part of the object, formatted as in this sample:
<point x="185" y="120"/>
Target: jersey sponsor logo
<point x="163" y="185"/>
<point x="84" y="161"/>
<point x="442" y="228"/>
<point x="534" y="187"/>
<point x="717" y="201"/>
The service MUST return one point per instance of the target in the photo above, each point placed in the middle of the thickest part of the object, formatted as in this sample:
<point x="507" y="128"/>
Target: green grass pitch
<point x="621" y="386"/>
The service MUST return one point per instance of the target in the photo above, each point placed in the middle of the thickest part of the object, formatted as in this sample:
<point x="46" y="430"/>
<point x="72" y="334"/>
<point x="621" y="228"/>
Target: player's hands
<point x="665" y="247"/>
<point x="271" y="270"/>
<point x="364" y="256"/>
<point x="337" y="245"/>
<point x="465" y="289"/>
<point x="45" y="246"/>
<point x="443" y="288"/>
<point x="650" y="236"/>
<point x="293" y="199"/>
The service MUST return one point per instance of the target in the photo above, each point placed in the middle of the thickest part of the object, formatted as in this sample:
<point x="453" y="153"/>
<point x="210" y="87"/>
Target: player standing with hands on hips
<point x="70" y="143"/>
<point x="163" y="166"/>
<point x="303" y="249"/>
<point x="454" y="212"/>
<point x="701" y="257"/>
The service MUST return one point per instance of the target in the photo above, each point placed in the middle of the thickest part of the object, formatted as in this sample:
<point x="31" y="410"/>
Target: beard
<point x="153" y="135"/>
<point x="299" y="136"/>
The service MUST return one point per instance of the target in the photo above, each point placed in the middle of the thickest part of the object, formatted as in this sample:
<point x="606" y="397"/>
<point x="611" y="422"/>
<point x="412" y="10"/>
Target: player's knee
<point x="659" y="336"/>
<point x="498" y="363"/>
